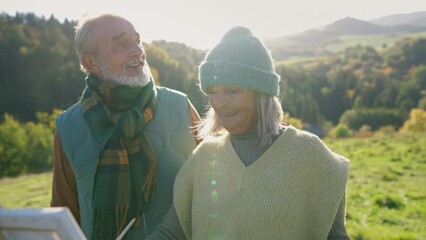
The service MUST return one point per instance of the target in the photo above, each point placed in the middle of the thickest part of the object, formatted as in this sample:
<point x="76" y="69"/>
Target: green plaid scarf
<point x="125" y="174"/>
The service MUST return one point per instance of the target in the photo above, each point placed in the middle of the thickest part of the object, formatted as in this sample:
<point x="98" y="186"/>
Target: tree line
<point x="39" y="72"/>
<point x="359" y="87"/>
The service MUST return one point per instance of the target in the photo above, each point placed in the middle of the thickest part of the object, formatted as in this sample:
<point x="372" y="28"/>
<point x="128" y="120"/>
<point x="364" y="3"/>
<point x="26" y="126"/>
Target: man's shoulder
<point x="172" y="99"/>
<point x="72" y="112"/>
<point x="169" y="92"/>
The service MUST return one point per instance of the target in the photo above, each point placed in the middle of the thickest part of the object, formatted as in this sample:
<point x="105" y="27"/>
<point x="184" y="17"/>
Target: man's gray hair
<point x="269" y="117"/>
<point x="84" y="42"/>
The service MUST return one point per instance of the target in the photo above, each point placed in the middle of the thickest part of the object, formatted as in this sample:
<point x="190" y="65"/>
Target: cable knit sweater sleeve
<point x="184" y="194"/>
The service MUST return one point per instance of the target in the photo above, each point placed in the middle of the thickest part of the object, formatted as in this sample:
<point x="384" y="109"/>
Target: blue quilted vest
<point x="171" y="137"/>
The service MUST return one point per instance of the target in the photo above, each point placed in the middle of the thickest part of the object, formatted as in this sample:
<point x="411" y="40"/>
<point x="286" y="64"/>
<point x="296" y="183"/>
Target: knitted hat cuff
<point x="234" y="74"/>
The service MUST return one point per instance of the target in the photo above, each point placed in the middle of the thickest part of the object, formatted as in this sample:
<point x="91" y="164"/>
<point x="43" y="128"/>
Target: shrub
<point x="375" y="118"/>
<point x="38" y="155"/>
<point x="26" y="147"/>
<point x="13" y="141"/>
<point x="364" y="132"/>
<point x="385" y="131"/>
<point x="416" y="122"/>
<point x="340" y="131"/>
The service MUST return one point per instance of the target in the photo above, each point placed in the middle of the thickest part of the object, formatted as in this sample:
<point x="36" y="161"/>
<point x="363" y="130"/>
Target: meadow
<point x="378" y="41"/>
<point x="386" y="195"/>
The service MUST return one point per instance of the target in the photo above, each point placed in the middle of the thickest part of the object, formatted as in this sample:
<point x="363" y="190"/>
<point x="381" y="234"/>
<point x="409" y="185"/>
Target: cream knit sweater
<point x="292" y="191"/>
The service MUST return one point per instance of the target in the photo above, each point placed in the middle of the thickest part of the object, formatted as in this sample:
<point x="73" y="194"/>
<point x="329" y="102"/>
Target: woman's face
<point x="235" y="107"/>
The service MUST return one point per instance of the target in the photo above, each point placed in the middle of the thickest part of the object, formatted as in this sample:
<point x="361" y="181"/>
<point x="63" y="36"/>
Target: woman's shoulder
<point x="213" y="141"/>
<point x="300" y="134"/>
<point x="313" y="144"/>
<point x="198" y="161"/>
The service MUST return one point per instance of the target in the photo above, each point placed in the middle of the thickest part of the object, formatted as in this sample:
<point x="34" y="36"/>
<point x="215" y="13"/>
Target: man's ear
<point x="90" y="63"/>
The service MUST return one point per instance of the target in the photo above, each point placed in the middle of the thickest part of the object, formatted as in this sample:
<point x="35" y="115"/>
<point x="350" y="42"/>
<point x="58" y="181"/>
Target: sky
<point x="201" y="23"/>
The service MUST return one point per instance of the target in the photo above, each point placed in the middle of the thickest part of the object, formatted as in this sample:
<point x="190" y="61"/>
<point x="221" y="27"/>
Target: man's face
<point x="120" y="56"/>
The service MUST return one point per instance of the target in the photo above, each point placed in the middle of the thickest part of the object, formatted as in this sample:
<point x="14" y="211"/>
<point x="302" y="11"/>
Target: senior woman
<point x="252" y="177"/>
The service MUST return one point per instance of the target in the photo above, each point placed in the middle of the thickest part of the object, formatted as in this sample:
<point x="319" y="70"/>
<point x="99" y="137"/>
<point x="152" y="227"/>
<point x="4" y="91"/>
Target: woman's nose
<point x="218" y="100"/>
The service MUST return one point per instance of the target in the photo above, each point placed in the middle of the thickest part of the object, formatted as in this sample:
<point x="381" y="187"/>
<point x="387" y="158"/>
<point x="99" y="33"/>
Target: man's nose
<point x="138" y="50"/>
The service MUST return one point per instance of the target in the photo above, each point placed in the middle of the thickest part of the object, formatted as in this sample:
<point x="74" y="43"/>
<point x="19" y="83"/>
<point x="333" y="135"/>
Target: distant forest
<point x="360" y="86"/>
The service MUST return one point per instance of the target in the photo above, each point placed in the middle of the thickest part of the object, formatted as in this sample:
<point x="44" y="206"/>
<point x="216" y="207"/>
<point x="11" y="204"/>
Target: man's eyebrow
<point x="118" y="37"/>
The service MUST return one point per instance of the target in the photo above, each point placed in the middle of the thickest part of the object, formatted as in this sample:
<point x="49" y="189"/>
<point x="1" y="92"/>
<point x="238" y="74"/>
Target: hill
<point x="320" y="41"/>
<point x="413" y="19"/>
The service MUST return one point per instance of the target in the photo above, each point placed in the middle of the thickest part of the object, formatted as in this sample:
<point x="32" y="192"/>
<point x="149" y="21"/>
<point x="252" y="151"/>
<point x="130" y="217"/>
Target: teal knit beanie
<point x="240" y="59"/>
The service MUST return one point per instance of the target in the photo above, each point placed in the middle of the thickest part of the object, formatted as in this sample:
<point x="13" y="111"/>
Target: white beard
<point x="140" y="80"/>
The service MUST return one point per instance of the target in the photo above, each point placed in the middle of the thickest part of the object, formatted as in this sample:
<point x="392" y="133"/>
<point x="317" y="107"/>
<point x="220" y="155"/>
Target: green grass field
<point x="380" y="42"/>
<point x="386" y="196"/>
<point x="387" y="187"/>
